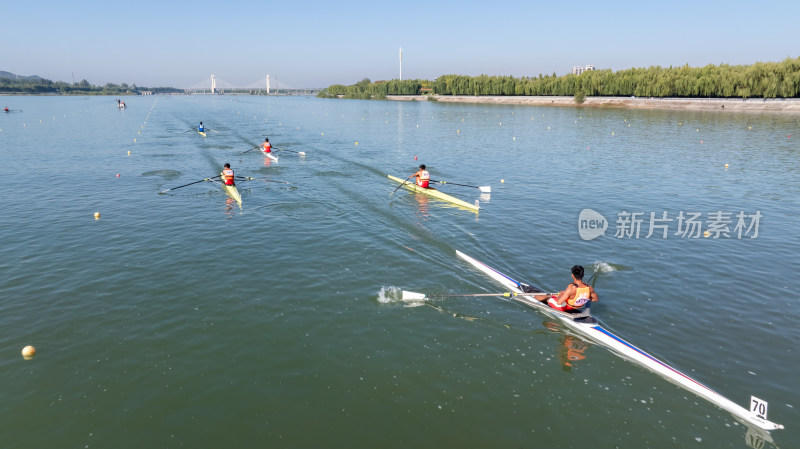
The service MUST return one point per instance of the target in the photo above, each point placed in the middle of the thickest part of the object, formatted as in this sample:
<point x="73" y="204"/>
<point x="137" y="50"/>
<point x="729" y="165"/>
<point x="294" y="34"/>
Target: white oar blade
<point x="486" y="189"/>
<point x="301" y="153"/>
<point x="411" y="296"/>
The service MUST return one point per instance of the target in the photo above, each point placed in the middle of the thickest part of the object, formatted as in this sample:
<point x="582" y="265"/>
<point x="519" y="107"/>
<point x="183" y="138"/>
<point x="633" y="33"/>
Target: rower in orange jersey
<point x="423" y="177"/>
<point x="227" y="175"/>
<point x="266" y="147"/>
<point x="575" y="297"/>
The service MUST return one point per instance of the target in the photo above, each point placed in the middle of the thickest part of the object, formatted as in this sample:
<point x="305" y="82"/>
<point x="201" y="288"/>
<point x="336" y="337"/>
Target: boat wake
<point x="394" y="295"/>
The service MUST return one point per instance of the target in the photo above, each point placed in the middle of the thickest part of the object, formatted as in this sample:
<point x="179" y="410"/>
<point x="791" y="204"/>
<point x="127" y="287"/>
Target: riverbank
<point x="726" y="104"/>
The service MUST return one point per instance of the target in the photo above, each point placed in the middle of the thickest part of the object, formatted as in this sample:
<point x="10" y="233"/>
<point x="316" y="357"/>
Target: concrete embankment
<point x="752" y="104"/>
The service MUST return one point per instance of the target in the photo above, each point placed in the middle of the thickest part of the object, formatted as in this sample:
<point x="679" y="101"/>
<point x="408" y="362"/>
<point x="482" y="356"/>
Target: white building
<point x="577" y="70"/>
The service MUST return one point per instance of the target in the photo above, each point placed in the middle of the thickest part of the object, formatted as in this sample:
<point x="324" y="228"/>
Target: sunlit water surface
<point x="182" y="320"/>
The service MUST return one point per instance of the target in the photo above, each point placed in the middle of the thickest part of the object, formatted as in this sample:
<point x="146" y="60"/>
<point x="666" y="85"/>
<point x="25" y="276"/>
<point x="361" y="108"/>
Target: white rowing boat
<point x="270" y="155"/>
<point x="587" y="326"/>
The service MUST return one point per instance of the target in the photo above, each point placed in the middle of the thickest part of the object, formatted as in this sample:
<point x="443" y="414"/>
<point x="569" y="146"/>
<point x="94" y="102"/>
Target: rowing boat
<point x="232" y="192"/>
<point x="202" y="133"/>
<point x="436" y="194"/>
<point x="587" y="326"/>
<point x="270" y="155"/>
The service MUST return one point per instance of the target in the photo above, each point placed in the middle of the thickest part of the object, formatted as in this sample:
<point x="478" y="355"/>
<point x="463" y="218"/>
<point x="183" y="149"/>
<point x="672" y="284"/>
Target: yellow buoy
<point x="129" y="152"/>
<point x="322" y="134"/>
<point x="706" y="234"/>
<point x="726" y="165"/>
<point x="28" y="351"/>
<point x="97" y="215"/>
<point x="356" y="143"/>
<point x="502" y="181"/>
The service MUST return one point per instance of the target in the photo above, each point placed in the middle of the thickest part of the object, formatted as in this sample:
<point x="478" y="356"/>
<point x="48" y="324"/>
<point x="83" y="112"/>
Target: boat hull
<point x="232" y="192"/>
<point x="435" y="194"/>
<point x="270" y="156"/>
<point x="587" y="326"/>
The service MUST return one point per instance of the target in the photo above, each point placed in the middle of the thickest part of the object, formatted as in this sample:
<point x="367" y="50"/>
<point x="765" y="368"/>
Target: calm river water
<point x="181" y="320"/>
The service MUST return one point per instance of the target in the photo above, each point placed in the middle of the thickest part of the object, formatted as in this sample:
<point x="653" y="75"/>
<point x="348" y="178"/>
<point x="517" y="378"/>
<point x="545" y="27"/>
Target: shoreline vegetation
<point x="761" y="86"/>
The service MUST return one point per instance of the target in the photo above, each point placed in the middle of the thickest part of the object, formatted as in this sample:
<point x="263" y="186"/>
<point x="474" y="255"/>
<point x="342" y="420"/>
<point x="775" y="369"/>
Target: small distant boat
<point x="436" y="194"/>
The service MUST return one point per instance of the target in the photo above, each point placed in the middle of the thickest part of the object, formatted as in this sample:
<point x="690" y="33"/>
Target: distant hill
<point x="12" y="76"/>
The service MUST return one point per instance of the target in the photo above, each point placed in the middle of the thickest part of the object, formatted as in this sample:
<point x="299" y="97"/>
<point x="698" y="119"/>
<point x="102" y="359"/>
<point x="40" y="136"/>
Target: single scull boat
<point x="232" y="192"/>
<point x="436" y="194"/>
<point x="202" y="133"/>
<point x="270" y="155"/>
<point x="587" y="326"/>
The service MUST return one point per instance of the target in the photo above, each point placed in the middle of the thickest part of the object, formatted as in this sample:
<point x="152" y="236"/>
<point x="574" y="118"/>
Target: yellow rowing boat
<point x="232" y="191"/>
<point x="436" y="194"/>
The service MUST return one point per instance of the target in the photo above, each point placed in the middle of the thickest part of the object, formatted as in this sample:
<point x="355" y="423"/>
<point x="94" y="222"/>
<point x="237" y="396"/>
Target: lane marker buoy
<point x="28" y="352"/>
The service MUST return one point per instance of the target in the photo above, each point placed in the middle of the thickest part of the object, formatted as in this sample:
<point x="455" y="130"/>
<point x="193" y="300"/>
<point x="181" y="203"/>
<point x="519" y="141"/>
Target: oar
<point x="301" y="153"/>
<point x="402" y="184"/>
<point x="254" y="148"/>
<point x="202" y="180"/>
<point x="189" y="130"/>
<point x="484" y="189"/>
<point x="593" y="276"/>
<point x="247" y="178"/>
<point x="418" y="296"/>
<point x="213" y="131"/>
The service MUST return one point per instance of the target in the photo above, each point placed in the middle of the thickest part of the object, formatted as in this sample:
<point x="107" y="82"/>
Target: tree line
<point x="43" y="86"/>
<point x="759" y="80"/>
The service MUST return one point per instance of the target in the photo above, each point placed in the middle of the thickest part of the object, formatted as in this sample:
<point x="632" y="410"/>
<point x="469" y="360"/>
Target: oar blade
<point x="486" y="189"/>
<point x="411" y="296"/>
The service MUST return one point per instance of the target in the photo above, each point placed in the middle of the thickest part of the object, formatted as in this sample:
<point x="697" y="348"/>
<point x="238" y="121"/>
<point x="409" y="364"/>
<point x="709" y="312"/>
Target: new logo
<point x="591" y="224"/>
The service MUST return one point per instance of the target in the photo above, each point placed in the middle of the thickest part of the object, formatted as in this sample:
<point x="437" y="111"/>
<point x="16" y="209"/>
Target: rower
<point x="266" y="146"/>
<point x="200" y="127"/>
<point x="227" y="175"/>
<point x="575" y="297"/>
<point x="6" y="109"/>
<point x="423" y="177"/>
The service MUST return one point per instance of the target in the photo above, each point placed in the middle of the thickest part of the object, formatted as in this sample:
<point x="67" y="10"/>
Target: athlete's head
<point x="227" y="165"/>
<point x="266" y="139"/>
<point x="577" y="271"/>
<point x="422" y="166"/>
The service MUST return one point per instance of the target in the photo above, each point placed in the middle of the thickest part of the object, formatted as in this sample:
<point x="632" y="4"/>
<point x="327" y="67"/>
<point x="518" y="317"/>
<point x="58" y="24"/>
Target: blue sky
<point x="308" y="43"/>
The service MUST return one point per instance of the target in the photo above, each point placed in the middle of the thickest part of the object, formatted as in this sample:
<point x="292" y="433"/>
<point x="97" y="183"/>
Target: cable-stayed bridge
<point x="266" y="85"/>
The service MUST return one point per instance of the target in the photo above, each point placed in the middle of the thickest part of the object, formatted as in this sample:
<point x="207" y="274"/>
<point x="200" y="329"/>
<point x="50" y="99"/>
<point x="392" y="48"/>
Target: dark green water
<point x="180" y="320"/>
